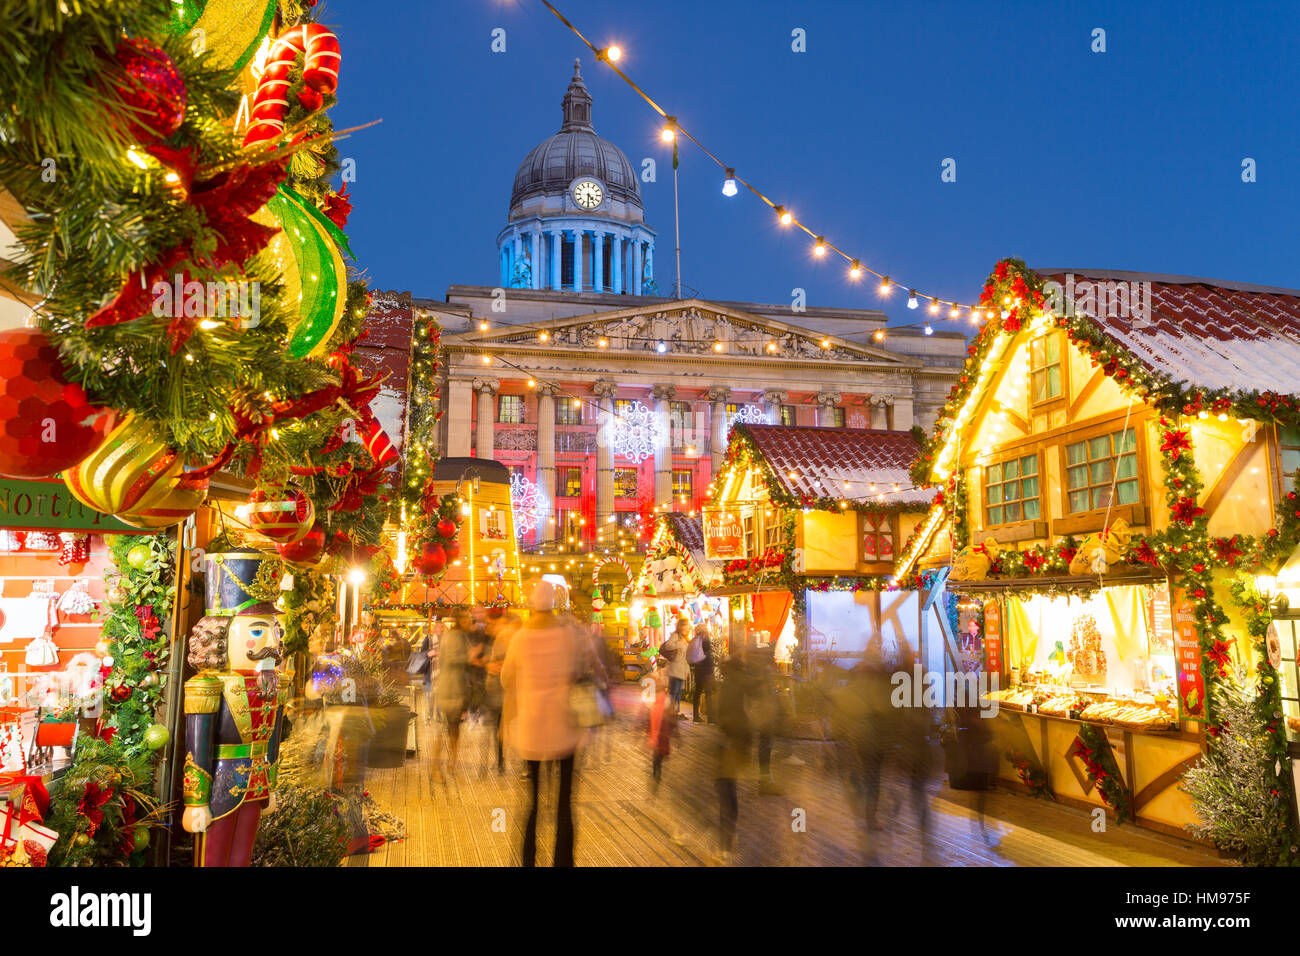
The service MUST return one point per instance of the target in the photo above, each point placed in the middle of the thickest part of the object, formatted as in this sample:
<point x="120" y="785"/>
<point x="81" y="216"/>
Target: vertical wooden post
<point x="173" y="694"/>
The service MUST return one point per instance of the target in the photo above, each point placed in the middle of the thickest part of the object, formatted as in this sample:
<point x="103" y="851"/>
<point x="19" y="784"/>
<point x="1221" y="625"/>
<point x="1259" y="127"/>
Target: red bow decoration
<point x="338" y="207"/>
<point x="1187" y="510"/>
<point x="1176" y="442"/>
<point x="91" y="803"/>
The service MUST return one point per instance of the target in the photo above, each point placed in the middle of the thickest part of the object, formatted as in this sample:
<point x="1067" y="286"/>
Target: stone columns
<point x="604" y="391"/>
<point x="827" y="398"/>
<point x="546" y="460"/>
<point x="484" y="423"/>
<point x="616" y="263"/>
<point x="557" y="258"/>
<point x="880" y="407"/>
<point x="577" y="260"/>
<point x="719" y="396"/>
<point x="459" y="426"/>
<point x="539" y="258"/>
<point x="650" y="260"/>
<point x="902" y="418"/>
<point x="663" y="394"/>
<point x="773" y="399"/>
<point x="598" y="260"/>
<point x="636" y="266"/>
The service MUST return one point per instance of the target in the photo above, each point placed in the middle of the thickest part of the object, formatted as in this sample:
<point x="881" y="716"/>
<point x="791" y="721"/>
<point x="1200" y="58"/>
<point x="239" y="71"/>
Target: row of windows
<point x="511" y="411"/>
<point x="1100" y="472"/>
<point x="569" y="484"/>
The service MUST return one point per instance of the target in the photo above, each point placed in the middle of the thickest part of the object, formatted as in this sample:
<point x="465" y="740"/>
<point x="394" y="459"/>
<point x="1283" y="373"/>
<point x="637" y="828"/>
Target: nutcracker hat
<point x="228" y="580"/>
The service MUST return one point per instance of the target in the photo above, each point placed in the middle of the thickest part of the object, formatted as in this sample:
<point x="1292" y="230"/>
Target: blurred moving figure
<point x="865" y="723"/>
<point x="700" y="656"/>
<point x="662" y="725"/>
<point x="679" y="668"/>
<point x="916" y="752"/>
<point x="452" y="687"/>
<point x="766" y="711"/>
<point x="537" y="677"/>
<point x="978" y="762"/>
<point x="493" y="693"/>
<point x="732" y="752"/>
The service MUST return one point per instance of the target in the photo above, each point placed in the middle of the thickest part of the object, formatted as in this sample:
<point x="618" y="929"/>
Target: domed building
<point x="576" y="222"/>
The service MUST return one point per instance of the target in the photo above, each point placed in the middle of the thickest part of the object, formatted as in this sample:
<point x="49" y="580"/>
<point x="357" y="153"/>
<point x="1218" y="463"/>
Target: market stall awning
<point x="734" y="590"/>
<point x="1045" y="582"/>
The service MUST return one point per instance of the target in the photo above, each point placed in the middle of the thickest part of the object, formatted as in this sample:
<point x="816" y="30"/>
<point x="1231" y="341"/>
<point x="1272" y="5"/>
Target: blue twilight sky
<point x="1127" y="159"/>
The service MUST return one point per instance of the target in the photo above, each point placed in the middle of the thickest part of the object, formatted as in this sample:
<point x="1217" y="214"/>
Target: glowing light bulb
<point x="885" y="286"/>
<point x="784" y="216"/>
<point x="819" y="249"/>
<point x="729" y="183"/>
<point x="855" y="270"/>
<point x="543" y="336"/>
<point x="614" y="54"/>
<point x="929" y="329"/>
<point x="912" y="300"/>
<point x="934" y="306"/>
<point x="482" y="326"/>
<point x="669" y="132"/>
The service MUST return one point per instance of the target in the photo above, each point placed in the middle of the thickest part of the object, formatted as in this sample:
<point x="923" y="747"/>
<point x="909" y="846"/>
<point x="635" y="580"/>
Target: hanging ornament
<point x="181" y="502"/>
<point x="446" y="529"/>
<point x="153" y="92"/>
<point x="305" y="551"/>
<point x="451" y="549"/>
<point x="281" y="514"/>
<point x="47" y="423"/>
<point x="431" y="560"/>
<point x="132" y="471"/>
<point x="76" y="548"/>
<point x="138" y="556"/>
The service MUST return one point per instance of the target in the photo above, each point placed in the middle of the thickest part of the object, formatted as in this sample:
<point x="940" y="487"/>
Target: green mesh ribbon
<point x="319" y="281"/>
<point x="228" y="27"/>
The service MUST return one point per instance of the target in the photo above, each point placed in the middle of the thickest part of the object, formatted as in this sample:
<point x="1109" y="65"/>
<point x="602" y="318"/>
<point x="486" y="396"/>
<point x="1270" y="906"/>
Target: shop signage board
<point x="724" y="535"/>
<point x="992" y="636"/>
<point x="27" y="505"/>
<point x="1187" y="658"/>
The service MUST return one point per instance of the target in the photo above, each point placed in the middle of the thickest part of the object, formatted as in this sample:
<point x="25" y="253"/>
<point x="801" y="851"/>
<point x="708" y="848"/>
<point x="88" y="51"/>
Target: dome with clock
<point x="576" y="222"/>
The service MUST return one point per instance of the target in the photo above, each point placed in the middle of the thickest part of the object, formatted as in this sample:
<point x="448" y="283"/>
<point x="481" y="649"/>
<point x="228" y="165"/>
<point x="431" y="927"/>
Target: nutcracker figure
<point x="234" y="713"/>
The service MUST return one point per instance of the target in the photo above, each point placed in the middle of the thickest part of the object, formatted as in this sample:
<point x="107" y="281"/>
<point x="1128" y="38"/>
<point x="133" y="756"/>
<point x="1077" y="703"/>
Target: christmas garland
<point x="1030" y="772"/>
<point x="1094" y="750"/>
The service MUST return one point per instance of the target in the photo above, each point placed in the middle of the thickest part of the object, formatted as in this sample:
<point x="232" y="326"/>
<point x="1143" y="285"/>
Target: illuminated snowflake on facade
<point x="523" y="501"/>
<point x="749" y="414"/>
<point x="637" y="432"/>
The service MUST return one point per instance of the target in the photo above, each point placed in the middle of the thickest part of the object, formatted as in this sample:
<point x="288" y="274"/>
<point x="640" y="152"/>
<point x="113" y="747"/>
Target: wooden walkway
<point x="476" y="817"/>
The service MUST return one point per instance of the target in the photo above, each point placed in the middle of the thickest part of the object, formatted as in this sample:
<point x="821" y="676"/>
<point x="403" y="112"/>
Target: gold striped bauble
<point x="284" y="515"/>
<point x="132" y="471"/>
<point x="181" y="502"/>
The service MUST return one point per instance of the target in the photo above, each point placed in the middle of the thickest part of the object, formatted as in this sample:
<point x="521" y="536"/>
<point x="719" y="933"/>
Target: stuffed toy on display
<point x="234" y="712"/>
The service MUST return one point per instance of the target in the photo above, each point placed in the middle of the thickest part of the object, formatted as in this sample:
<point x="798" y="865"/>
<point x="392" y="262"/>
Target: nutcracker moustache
<point x="234" y="717"/>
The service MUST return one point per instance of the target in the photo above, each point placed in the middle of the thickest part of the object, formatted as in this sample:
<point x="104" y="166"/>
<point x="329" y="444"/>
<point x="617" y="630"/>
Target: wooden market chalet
<point x="1117" y="470"/>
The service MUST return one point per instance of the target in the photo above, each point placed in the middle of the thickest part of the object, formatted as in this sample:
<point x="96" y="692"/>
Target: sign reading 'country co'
<point x="724" y="535"/>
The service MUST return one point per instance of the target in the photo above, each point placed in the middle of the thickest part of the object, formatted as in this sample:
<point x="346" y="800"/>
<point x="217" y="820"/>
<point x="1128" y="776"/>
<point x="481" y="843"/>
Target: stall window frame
<point x="1085" y="437"/>
<point x="1000" y="461"/>
<point x="1062" y="364"/>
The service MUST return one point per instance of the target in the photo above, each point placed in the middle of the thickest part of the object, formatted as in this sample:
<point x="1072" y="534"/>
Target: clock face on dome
<point x="588" y="194"/>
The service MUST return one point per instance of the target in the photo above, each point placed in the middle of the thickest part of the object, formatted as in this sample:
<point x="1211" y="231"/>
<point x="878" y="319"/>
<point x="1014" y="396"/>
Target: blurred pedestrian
<point x="537" y="677"/>
<point x="479" y="648"/>
<point x="916" y="751"/>
<point x="700" y="656"/>
<point x="662" y="725"/>
<point x="493" y="694"/>
<point x="679" y="668"/>
<point x="864" y="720"/>
<point x="451" y="688"/>
<point x="732" y="752"/>
<point x="766" y="711"/>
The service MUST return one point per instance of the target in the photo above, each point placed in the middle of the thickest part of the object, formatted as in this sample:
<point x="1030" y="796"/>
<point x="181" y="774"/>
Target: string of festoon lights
<point x="937" y="307"/>
<point x="862" y="491"/>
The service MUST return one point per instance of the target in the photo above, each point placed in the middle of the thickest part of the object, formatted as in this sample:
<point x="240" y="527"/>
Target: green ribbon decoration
<point x="340" y="238"/>
<point x="319" y="303"/>
<point x="190" y="14"/>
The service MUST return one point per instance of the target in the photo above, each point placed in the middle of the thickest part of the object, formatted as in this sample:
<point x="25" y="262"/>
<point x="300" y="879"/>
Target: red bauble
<point x="431" y="560"/>
<point x="452" y="550"/>
<point x="47" y="423"/>
<point x="307" y="550"/>
<point x="446" y="529"/>
<point x="121" y="692"/>
<point x="154" y="93"/>
<point x="282" y="514"/>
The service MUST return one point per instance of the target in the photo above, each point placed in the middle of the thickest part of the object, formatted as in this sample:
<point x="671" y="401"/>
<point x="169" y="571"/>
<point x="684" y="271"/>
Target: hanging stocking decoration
<point x="76" y="548"/>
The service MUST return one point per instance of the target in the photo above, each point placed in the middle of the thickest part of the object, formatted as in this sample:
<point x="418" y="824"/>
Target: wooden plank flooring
<point x="620" y="822"/>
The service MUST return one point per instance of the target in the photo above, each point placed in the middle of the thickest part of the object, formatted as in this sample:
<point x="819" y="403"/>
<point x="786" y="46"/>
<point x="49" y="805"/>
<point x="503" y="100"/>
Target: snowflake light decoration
<point x="749" y="414"/>
<point x="637" y="432"/>
<point x="523" y="501"/>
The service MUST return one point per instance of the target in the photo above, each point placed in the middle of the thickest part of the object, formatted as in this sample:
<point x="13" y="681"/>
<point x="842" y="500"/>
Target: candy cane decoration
<point x="595" y="575"/>
<point x="320" y="76"/>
